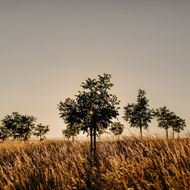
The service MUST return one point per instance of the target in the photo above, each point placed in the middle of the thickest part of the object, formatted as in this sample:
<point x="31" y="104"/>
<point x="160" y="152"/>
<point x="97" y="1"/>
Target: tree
<point x="138" y="115"/>
<point x="116" y="128"/>
<point x="164" y="118"/>
<point x="4" y="133"/>
<point x="93" y="108"/>
<point x="178" y="124"/>
<point x="40" y="131"/>
<point x="19" y="126"/>
<point x="71" y="131"/>
<point x="101" y="131"/>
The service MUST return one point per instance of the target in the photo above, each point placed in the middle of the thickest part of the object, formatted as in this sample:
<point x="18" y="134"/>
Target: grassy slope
<point x="132" y="163"/>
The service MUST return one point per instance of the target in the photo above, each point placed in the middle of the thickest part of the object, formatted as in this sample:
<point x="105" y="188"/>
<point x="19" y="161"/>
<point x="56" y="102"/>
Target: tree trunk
<point x="94" y="126"/>
<point x="173" y="134"/>
<point x="73" y="138"/>
<point x="91" y="155"/>
<point x="167" y="133"/>
<point x="141" y="132"/>
<point x="91" y="140"/>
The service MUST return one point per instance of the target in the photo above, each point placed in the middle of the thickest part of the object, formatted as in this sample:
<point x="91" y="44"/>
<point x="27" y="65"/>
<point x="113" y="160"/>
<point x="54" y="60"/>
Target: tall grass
<point x="127" y="164"/>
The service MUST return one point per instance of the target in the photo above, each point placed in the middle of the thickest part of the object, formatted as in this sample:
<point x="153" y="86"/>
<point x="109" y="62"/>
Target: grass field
<point x="127" y="164"/>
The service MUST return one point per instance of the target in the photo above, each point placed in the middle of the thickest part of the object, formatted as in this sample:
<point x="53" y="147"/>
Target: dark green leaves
<point x="116" y="128"/>
<point x="167" y="119"/>
<point x="94" y="101"/>
<point x="19" y="126"/>
<point x="138" y="115"/>
<point x="40" y="131"/>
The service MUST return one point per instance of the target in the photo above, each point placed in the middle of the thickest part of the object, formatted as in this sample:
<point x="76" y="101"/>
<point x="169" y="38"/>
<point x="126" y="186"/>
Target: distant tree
<point x="4" y="133"/>
<point x="101" y="130"/>
<point x="117" y="128"/>
<point x="178" y="124"/>
<point x="40" y="131"/>
<point x="71" y="131"/>
<point x="19" y="126"/>
<point x="165" y="118"/>
<point x="93" y="109"/>
<point x="138" y="115"/>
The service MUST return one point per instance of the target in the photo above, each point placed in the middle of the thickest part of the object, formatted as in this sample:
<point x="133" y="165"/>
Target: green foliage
<point x="96" y="103"/>
<point x="179" y="124"/>
<point x="4" y="133"/>
<point x="117" y="128"/>
<point x="40" y="131"/>
<point x="19" y="126"/>
<point x="167" y="119"/>
<point x="71" y="131"/>
<point x="93" y="108"/>
<point x="138" y="115"/>
<point x="164" y="117"/>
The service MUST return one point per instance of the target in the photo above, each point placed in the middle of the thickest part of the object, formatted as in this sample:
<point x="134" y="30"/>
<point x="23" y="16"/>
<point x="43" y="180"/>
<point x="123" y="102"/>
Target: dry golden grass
<point x="128" y="164"/>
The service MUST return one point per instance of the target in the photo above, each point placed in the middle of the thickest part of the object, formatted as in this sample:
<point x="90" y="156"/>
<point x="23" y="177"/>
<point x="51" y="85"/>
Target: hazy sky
<point x="49" y="47"/>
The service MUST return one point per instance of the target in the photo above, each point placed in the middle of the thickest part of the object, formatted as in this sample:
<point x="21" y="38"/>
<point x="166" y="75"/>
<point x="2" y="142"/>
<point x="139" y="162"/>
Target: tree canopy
<point x="19" y="126"/>
<point x="167" y="119"/>
<point x="71" y="131"/>
<point x="138" y="115"/>
<point x="40" y="131"/>
<point x="117" y="128"/>
<point x="179" y="124"/>
<point x="93" y="108"/>
<point x="4" y="133"/>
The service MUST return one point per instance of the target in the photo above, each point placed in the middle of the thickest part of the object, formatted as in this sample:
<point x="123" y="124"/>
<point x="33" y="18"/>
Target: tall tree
<point x="40" y="131"/>
<point x="164" y="118"/>
<point x="117" y="128"/>
<point x="93" y="108"/>
<point x="19" y="126"/>
<point x="138" y="115"/>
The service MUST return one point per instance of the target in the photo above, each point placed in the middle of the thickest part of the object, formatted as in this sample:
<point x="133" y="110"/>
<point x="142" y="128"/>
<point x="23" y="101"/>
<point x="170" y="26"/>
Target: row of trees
<point x="92" y="112"/>
<point x="94" y="108"/>
<point x="140" y="115"/>
<point x="21" y="127"/>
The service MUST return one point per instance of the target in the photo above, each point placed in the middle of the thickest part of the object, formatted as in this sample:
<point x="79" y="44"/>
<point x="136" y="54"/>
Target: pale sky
<point x="49" y="47"/>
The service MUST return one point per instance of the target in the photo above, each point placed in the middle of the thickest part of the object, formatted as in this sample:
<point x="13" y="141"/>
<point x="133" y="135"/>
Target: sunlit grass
<point x="130" y="163"/>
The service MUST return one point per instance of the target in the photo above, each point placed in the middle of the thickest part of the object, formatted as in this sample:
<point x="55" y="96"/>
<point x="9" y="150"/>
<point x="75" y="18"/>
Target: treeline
<point x="139" y="115"/>
<point x="93" y="112"/>
<point x="21" y="127"/>
<point x="94" y="108"/>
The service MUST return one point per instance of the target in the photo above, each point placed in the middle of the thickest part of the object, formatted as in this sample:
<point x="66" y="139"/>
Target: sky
<point x="49" y="47"/>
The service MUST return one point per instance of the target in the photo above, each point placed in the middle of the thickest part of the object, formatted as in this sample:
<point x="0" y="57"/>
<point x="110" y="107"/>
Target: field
<point x="127" y="164"/>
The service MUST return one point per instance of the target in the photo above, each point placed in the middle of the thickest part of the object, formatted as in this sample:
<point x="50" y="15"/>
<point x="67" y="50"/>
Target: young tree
<point x="101" y="131"/>
<point x="19" y="126"/>
<point x="178" y="124"/>
<point x="40" y="131"/>
<point x="164" y="118"/>
<point x="117" y="128"/>
<point x="4" y="133"/>
<point x="93" y="109"/>
<point x="138" y="115"/>
<point x="71" y="131"/>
